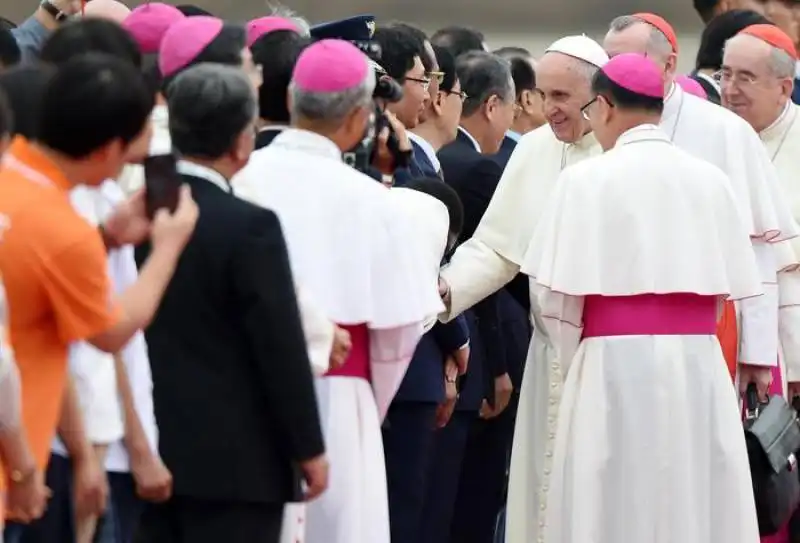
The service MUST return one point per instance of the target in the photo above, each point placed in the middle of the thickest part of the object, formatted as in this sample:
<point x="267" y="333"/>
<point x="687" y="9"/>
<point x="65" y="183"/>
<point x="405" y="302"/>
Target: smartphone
<point x="162" y="183"/>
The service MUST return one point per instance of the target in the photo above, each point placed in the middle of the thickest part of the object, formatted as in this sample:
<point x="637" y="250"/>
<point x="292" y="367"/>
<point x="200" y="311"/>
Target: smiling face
<point x="750" y="86"/>
<point x="564" y="84"/>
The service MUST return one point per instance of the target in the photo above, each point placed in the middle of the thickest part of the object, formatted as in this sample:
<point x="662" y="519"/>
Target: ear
<point x="527" y="100"/>
<point x="437" y="103"/>
<point x="787" y="86"/>
<point x="491" y="106"/>
<point x="671" y="66"/>
<point x="244" y="146"/>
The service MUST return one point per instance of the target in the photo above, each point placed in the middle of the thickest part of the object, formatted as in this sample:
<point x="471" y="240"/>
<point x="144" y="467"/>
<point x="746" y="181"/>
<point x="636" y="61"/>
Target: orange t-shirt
<point x="54" y="270"/>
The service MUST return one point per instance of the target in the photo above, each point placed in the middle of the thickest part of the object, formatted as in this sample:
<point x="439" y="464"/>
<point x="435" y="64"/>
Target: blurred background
<point x="532" y="24"/>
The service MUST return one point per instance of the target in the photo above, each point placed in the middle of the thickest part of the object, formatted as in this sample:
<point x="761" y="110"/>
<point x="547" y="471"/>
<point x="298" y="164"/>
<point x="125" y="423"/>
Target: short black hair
<point x="191" y="10"/>
<point x="210" y="106"/>
<point x="6" y="117"/>
<point x="10" y="53"/>
<point x="277" y="53"/>
<point x="512" y="51"/>
<point x="459" y="39"/>
<point x="420" y="35"/>
<point x="399" y="47"/>
<point x="623" y="98"/>
<point x="91" y="35"/>
<point x="446" y="194"/>
<point x="91" y="101"/>
<point x="722" y="28"/>
<point x="483" y="75"/>
<point x="24" y="88"/>
<point x="225" y="48"/>
<point x="705" y="9"/>
<point x="447" y="65"/>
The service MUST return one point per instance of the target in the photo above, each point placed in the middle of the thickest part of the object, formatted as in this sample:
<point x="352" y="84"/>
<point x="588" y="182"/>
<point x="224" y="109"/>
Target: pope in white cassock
<point x="649" y="445"/>
<point x="353" y="247"/>
<point x="495" y="253"/>
<point x="757" y="79"/>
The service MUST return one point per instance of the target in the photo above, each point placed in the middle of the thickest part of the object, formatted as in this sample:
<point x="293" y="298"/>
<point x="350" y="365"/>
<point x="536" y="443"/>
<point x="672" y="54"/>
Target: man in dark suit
<point x="470" y="168"/>
<point x="276" y="52"/>
<point x="529" y="114"/>
<point x="233" y="391"/>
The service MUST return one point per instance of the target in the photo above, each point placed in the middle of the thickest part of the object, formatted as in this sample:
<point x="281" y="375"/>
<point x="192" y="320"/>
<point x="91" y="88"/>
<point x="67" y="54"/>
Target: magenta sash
<point x="678" y="314"/>
<point x="357" y="364"/>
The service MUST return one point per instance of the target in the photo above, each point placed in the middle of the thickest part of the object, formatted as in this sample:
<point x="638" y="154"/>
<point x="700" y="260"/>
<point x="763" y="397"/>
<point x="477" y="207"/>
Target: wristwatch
<point x="56" y="13"/>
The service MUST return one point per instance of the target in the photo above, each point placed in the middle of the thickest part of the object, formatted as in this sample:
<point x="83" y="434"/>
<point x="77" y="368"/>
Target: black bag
<point x="772" y="434"/>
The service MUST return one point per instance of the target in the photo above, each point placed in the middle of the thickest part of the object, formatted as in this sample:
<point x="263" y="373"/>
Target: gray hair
<point x="780" y="63"/>
<point x="482" y="75"/>
<point x="279" y="10"/>
<point x="331" y="106"/>
<point x="210" y="106"/>
<point x="658" y="45"/>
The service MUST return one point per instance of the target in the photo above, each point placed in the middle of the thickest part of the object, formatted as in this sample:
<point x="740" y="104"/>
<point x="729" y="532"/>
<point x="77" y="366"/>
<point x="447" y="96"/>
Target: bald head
<point x="107" y="9"/>
<point x="629" y="34"/>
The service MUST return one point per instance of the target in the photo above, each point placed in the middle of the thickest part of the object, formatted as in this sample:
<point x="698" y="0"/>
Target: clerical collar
<point x="304" y="140"/>
<point x="513" y="135"/>
<point x="472" y="139"/>
<point x="643" y="132"/>
<point x="193" y="169"/>
<point x="773" y="128"/>
<point x="427" y="148"/>
<point x="274" y="127"/>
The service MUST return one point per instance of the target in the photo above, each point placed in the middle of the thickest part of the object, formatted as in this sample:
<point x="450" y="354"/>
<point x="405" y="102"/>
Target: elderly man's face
<point x="749" y="87"/>
<point x="415" y="94"/>
<point x="564" y="85"/>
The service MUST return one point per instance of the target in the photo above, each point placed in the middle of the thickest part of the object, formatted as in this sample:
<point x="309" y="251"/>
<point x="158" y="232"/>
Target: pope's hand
<point x="760" y="375"/>
<point x="173" y="230"/>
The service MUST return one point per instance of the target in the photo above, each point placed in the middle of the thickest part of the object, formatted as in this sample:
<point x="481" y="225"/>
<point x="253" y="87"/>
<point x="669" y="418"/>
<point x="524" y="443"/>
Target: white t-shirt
<point x="90" y="367"/>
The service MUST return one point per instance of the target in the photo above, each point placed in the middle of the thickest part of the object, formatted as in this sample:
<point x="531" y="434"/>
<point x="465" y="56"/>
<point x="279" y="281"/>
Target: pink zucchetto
<point x="149" y="22"/>
<point x="636" y="73"/>
<point x="691" y="86"/>
<point x="110" y="10"/>
<point x="330" y="66"/>
<point x="264" y="25"/>
<point x="185" y="40"/>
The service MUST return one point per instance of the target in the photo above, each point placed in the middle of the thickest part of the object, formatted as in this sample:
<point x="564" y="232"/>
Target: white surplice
<point x="355" y="250"/>
<point x="649" y="445"/>
<point x="782" y="141"/>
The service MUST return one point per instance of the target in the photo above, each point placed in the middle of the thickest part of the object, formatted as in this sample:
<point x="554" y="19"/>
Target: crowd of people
<point x="276" y="282"/>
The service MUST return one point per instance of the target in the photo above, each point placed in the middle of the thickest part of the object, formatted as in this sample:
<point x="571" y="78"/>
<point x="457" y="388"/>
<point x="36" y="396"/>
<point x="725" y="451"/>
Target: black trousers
<point x="188" y="520"/>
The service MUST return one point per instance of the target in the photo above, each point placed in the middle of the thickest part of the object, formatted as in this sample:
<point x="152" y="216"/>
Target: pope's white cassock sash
<point x="649" y="443"/>
<point x="366" y="256"/>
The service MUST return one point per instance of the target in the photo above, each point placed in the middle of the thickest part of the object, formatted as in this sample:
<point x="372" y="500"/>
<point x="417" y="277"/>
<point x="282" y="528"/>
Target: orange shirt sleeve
<point x="79" y="289"/>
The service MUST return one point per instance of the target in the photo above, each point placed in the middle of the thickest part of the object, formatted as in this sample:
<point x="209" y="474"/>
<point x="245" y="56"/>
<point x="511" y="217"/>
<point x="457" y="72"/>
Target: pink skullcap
<point x="691" y="86"/>
<point x="636" y="73"/>
<point x="330" y="66"/>
<point x="149" y="22"/>
<point x="258" y="27"/>
<point x="185" y="40"/>
<point x="106" y="9"/>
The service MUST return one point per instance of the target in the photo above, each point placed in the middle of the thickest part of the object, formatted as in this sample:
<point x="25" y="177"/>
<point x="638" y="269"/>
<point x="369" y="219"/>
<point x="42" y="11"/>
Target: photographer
<point x="385" y="153"/>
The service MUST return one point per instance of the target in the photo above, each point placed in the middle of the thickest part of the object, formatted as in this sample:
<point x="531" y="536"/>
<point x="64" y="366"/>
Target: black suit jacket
<point x="233" y="389"/>
<point x="474" y="177"/>
<point x="265" y="136"/>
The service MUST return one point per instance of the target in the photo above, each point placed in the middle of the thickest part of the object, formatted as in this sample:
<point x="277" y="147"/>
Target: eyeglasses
<point x="437" y="76"/>
<point x="584" y="109"/>
<point x="726" y="77"/>
<point x="460" y="94"/>
<point x="426" y="83"/>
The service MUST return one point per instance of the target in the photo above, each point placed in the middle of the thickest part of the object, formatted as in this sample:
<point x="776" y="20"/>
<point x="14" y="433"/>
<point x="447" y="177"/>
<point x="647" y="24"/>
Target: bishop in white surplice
<point x="649" y="445"/>
<point x="356" y="250"/>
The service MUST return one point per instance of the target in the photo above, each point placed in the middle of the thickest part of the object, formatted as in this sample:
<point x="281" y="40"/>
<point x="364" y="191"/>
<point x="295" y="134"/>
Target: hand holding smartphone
<point x="162" y="183"/>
